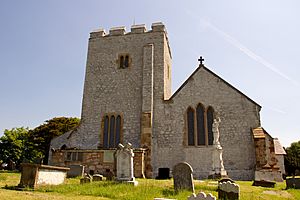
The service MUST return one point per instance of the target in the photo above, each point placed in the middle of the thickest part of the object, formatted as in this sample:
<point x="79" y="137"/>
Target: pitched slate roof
<point x="211" y="72"/>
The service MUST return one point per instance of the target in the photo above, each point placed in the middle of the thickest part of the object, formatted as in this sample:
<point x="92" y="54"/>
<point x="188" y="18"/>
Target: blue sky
<point x="254" y="45"/>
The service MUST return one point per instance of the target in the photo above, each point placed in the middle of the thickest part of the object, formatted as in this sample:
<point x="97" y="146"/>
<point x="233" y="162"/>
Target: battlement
<point x="121" y="30"/>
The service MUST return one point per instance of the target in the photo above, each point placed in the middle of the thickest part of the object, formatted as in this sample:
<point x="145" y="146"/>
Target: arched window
<point x="105" y="132"/>
<point x="210" y="120"/>
<point x="191" y="129"/>
<point x="121" y="61"/>
<point x="200" y="125"/>
<point x="112" y="132"/>
<point x="118" y="129"/>
<point x="126" y="63"/>
<point x="112" y="128"/>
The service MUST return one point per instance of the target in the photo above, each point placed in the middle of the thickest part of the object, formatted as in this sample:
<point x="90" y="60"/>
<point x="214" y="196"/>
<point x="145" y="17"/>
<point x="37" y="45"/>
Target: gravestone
<point x="75" y="170"/>
<point x="86" y="179"/>
<point x="202" y="196"/>
<point x="183" y="177"/>
<point x="222" y="180"/>
<point x="109" y="175"/>
<point x="293" y="183"/>
<point x="124" y="157"/>
<point x="97" y="177"/>
<point x="228" y="191"/>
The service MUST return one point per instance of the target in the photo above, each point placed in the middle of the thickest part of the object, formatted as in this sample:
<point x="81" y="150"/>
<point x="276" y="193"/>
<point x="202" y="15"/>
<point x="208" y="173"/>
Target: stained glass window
<point x="200" y="125"/>
<point x="112" y="132"/>
<point x="191" y="130"/>
<point x="118" y="130"/>
<point x="105" y="132"/>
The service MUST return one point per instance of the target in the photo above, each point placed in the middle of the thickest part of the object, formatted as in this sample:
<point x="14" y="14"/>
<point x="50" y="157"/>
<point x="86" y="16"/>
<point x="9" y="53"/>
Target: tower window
<point x="124" y="61"/>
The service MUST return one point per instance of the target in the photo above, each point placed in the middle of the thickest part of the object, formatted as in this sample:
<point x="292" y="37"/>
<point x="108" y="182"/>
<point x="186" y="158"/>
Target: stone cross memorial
<point x="183" y="177"/>
<point x="124" y="156"/>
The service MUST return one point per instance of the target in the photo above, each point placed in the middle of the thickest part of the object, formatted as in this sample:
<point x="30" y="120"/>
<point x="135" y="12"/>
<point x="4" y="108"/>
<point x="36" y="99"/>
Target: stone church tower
<point x="127" y="80"/>
<point x="127" y="98"/>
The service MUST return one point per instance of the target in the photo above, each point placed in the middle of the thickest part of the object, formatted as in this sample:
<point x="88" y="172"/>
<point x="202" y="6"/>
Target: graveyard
<point x="146" y="189"/>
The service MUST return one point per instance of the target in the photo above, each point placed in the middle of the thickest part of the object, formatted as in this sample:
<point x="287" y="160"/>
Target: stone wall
<point x="238" y="115"/>
<point x="280" y="163"/>
<point x="97" y="161"/>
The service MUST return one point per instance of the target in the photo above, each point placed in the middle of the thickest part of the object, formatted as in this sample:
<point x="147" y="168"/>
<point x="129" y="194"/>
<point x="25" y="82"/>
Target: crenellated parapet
<point x="121" y="30"/>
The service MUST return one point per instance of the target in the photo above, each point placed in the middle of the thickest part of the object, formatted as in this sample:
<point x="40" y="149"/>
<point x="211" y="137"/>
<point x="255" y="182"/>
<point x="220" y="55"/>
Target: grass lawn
<point x="147" y="189"/>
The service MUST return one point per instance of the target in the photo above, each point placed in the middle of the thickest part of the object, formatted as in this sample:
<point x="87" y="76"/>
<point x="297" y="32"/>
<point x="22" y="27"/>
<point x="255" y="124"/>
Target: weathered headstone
<point x="293" y="183"/>
<point x="183" y="177"/>
<point x="124" y="156"/>
<point x="75" y="170"/>
<point x="109" y="175"/>
<point x="222" y="180"/>
<point x="202" y="196"/>
<point x="97" y="177"/>
<point x="228" y="191"/>
<point x="86" y="179"/>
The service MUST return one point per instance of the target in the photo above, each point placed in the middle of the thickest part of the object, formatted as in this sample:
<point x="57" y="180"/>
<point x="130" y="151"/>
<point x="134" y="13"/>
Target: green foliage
<point x="292" y="158"/>
<point x="18" y="144"/>
<point x="40" y="137"/>
<point x="12" y="145"/>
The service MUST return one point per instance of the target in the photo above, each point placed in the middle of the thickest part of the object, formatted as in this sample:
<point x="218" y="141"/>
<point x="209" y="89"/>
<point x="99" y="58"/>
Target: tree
<point x="292" y="158"/>
<point x="13" y="145"/>
<point x="40" y="137"/>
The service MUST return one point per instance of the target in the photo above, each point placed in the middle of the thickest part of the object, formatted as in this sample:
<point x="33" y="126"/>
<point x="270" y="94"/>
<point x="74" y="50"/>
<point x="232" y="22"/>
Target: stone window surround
<point x="195" y="126"/>
<point x="109" y="115"/>
<point x="122" y="65"/>
<point x="73" y="156"/>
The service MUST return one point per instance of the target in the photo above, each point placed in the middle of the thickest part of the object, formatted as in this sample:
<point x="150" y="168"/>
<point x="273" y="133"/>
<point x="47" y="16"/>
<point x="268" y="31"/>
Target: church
<point x="127" y="98"/>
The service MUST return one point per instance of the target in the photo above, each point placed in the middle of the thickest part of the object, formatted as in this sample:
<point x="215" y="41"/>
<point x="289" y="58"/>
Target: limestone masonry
<point x="127" y="99"/>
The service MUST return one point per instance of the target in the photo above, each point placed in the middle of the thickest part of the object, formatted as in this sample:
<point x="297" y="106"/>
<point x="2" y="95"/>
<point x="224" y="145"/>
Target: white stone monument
<point x="124" y="157"/>
<point x="218" y="169"/>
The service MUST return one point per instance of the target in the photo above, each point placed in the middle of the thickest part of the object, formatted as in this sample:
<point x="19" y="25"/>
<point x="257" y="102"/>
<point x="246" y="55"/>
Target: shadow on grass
<point x="169" y="192"/>
<point x="6" y="187"/>
<point x="9" y="171"/>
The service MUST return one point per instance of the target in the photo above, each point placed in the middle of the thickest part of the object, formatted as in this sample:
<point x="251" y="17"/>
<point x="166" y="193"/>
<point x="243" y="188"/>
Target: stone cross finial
<point x="201" y="60"/>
